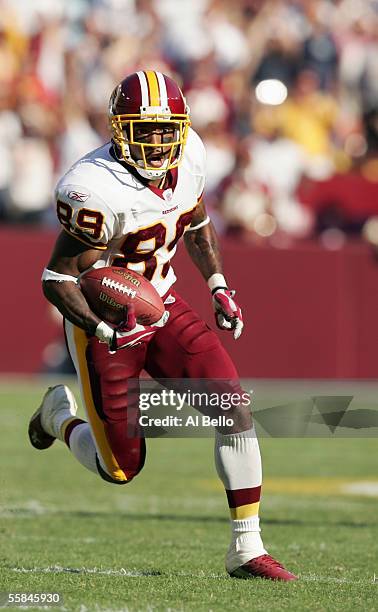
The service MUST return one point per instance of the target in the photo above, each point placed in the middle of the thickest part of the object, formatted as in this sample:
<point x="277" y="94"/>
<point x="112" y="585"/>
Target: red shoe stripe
<point x="263" y="567"/>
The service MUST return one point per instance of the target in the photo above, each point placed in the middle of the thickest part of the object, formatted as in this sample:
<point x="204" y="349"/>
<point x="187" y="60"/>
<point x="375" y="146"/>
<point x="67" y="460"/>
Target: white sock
<point x="238" y="459"/>
<point x="238" y="464"/>
<point x="56" y="426"/>
<point x="83" y="447"/>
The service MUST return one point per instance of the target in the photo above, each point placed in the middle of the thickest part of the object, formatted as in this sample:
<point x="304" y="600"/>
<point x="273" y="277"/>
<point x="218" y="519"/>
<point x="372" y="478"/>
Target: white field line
<point x="58" y="569"/>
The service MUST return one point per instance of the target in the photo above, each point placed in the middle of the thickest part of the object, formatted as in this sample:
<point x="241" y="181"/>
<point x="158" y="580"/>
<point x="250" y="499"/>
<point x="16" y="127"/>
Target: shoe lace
<point x="268" y="560"/>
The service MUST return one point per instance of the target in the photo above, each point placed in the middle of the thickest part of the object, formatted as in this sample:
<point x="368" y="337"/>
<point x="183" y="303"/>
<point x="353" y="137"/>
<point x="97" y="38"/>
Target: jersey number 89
<point x="157" y="233"/>
<point x="89" y="226"/>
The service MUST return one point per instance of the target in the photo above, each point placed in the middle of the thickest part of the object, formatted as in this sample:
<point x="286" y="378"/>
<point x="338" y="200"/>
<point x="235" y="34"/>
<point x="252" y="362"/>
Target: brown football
<point x="109" y="290"/>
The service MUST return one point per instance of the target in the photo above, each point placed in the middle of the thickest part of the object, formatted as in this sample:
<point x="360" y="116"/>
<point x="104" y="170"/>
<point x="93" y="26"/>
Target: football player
<point x="128" y="203"/>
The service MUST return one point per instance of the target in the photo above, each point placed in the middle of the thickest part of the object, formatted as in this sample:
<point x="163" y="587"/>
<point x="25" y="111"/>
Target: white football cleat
<point x="58" y="405"/>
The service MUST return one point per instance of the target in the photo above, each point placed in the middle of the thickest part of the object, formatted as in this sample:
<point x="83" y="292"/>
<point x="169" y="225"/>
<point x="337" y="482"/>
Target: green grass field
<point x="159" y="543"/>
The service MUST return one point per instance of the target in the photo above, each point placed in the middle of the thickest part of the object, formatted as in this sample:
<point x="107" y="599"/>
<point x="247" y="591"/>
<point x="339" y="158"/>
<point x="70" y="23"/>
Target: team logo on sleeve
<point x="77" y="196"/>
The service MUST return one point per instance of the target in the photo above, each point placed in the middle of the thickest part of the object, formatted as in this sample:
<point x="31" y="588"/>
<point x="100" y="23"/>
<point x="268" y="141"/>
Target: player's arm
<point x="202" y="243"/>
<point x="70" y="257"/>
<point x="87" y="229"/>
<point x="203" y="247"/>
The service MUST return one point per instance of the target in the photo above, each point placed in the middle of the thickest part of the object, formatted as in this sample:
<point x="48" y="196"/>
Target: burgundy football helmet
<point x="148" y="97"/>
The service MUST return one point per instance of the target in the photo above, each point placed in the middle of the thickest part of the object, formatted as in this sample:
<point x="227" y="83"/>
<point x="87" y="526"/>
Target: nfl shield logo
<point x="168" y="195"/>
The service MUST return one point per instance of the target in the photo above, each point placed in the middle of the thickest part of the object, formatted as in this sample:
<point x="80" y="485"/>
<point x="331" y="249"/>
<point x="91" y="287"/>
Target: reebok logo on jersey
<point x="77" y="196"/>
<point x="165" y="212"/>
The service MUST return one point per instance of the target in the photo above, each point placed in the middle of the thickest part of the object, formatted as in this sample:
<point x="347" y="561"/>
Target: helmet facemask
<point x="132" y="142"/>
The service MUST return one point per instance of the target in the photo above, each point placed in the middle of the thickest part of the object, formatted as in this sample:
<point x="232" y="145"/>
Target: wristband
<point x="196" y="227"/>
<point x="216" y="281"/>
<point x="50" y="275"/>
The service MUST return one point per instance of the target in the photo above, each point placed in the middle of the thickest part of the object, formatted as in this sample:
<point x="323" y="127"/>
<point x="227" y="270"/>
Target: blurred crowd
<point x="283" y="92"/>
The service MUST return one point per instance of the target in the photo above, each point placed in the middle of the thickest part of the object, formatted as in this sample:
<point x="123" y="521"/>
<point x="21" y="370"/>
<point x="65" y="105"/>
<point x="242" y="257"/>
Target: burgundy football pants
<point x="184" y="348"/>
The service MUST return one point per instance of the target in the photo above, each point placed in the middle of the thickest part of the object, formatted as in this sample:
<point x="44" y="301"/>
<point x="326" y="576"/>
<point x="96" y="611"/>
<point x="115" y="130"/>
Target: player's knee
<point x="113" y="475"/>
<point x="242" y="418"/>
<point x="133" y="459"/>
<point x="119" y="476"/>
<point x="239" y="418"/>
<point x="113" y="478"/>
<point x="129" y="463"/>
<point x="133" y="472"/>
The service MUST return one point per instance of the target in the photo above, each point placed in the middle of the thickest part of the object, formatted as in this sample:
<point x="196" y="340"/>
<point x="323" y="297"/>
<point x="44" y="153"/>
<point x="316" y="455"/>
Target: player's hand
<point x="128" y="333"/>
<point x="128" y="323"/>
<point x="228" y="314"/>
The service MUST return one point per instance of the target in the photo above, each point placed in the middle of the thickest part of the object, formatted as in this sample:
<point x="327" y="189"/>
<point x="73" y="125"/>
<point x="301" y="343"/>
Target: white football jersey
<point x="103" y="204"/>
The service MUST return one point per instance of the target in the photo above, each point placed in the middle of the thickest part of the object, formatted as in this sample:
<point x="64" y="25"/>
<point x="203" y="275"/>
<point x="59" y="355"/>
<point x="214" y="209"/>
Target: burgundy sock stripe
<point x="69" y="429"/>
<point x="242" y="497"/>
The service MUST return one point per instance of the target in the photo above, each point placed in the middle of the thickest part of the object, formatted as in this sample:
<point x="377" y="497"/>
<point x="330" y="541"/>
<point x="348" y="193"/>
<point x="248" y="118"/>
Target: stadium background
<point x="292" y="189"/>
<point x="284" y="94"/>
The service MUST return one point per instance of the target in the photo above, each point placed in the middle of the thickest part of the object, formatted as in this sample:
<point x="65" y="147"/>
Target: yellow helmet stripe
<point x="153" y="87"/>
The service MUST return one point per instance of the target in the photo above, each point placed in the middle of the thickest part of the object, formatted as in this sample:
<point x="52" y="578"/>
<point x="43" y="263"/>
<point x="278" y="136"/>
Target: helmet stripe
<point x="153" y="88"/>
<point x="163" y="89"/>
<point x="143" y="87"/>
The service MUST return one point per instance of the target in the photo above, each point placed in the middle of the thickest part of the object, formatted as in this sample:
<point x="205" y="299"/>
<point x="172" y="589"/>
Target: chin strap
<point x="151" y="175"/>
